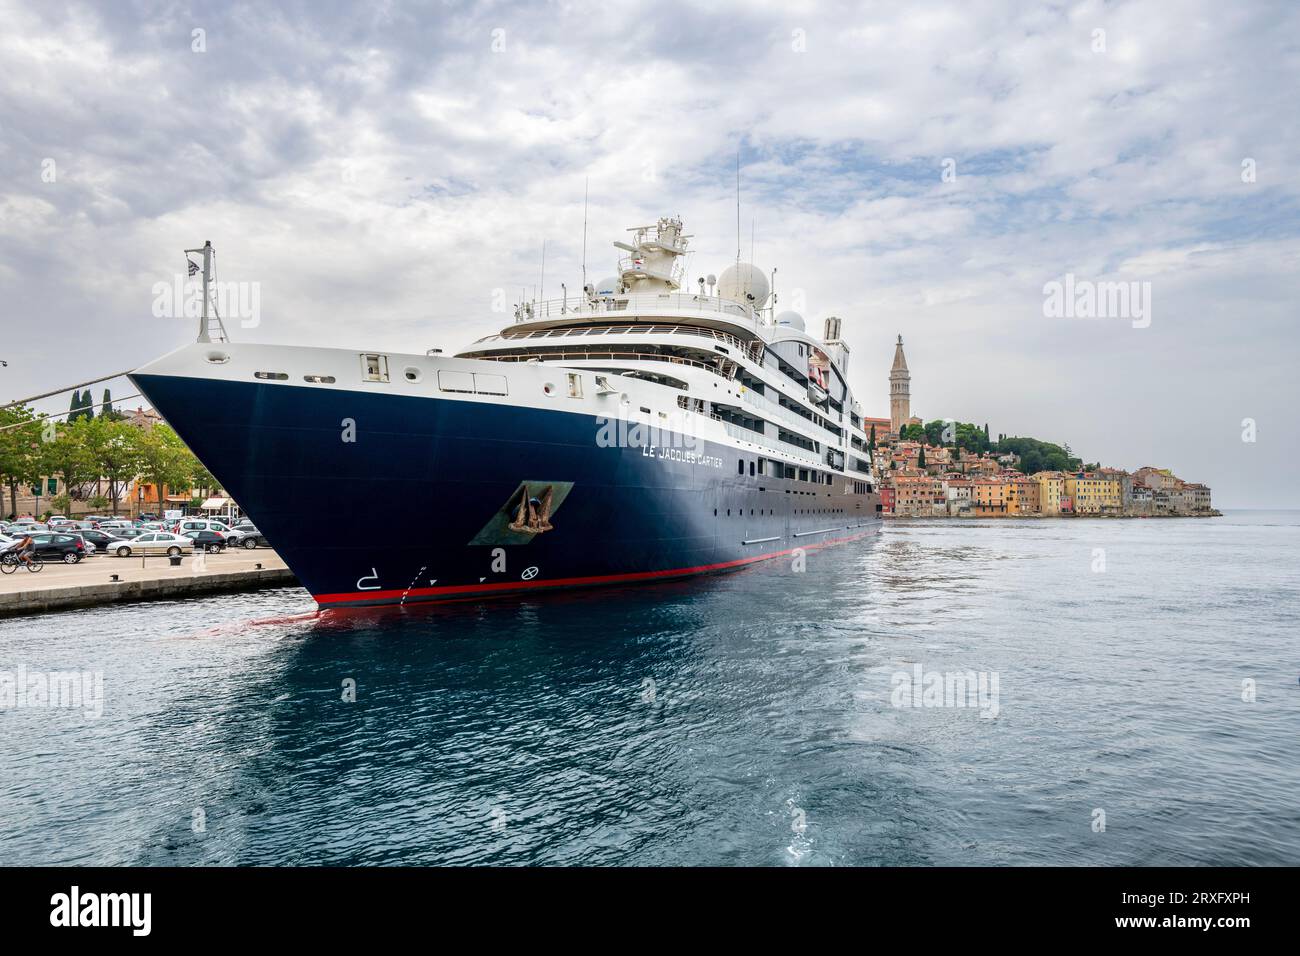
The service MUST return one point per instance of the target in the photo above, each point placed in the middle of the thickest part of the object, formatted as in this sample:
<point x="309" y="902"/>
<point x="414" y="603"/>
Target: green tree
<point x="20" y="450"/>
<point x="68" y="456"/>
<point x="1036" y="455"/>
<point x="106" y="409"/>
<point x="871" y="445"/>
<point x="920" y="459"/>
<point x="204" y="480"/>
<point x="115" y="449"/>
<point x="165" y="460"/>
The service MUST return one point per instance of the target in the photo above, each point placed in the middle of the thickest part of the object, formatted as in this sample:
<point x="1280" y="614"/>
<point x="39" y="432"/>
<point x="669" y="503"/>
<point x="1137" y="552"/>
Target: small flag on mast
<point x="194" y="268"/>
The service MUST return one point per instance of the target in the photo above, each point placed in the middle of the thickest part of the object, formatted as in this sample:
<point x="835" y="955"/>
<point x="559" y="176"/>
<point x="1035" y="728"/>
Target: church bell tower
<point x="900" y="390"/>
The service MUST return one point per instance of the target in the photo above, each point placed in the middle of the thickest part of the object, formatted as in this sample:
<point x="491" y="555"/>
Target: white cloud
<point x="381" y="172"/>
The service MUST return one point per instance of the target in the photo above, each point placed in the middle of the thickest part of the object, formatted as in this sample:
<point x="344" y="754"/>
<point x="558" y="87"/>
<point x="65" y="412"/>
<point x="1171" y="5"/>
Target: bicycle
<point x="10" y="561"/>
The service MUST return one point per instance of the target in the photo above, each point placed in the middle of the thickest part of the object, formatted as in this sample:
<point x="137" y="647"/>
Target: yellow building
<point x="1093" y="493"/>
<point x="1023" y="496"/>
<point x="1050" y="488"/>
<point x="988" y="496"/>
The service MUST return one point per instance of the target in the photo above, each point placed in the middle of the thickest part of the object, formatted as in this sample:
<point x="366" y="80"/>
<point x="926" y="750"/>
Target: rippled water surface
<point x="740" y="719"/>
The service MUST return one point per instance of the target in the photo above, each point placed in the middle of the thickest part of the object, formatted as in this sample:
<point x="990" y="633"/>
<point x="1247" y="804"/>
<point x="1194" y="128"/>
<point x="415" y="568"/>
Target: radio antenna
<point x="585" y="185"/>
<point x="542" y="294"/>
<point x="737" y="205"/>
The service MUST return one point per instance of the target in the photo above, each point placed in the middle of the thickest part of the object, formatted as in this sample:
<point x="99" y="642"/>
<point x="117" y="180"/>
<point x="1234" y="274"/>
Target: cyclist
<point x="24" y="548"/>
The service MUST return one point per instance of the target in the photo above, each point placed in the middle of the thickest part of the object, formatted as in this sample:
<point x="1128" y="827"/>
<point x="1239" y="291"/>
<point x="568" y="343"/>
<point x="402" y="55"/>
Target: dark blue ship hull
<point x="383" y="499"/>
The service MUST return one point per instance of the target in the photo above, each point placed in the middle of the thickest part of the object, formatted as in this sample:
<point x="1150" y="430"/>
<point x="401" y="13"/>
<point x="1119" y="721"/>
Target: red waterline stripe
<point x="570" y="582"/>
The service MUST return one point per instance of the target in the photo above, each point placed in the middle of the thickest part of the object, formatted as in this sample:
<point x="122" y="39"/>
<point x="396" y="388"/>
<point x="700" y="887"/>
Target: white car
<point x="153" y="542"/>
<point x="186" y="525"/>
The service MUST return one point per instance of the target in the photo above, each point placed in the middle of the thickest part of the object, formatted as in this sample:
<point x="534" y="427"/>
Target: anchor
<point x="534" y="514"/>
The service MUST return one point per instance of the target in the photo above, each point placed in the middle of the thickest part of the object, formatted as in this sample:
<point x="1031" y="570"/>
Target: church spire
<point x="900" y="360"/>
<point x="900" y="390"/>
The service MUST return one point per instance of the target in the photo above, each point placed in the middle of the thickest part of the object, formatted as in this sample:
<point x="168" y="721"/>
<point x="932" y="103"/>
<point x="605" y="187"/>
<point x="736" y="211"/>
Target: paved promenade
<point x="58" y="586"/>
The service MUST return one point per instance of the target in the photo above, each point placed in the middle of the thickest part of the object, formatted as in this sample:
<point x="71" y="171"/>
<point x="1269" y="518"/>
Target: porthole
<point x="272" y="376"/>
<point x="548" y="388"/>
<point x="319" y="379"/>
<point x="412" y="374"/>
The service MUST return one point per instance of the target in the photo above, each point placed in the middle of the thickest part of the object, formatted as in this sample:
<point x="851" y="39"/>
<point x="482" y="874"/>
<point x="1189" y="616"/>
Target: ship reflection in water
<point x="754" y="718"/>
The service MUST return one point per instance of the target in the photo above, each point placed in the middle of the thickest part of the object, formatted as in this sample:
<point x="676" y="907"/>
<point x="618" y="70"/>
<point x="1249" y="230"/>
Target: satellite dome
<point x="792" y="319"/>
<point x="745" y="283"/>
<point x="611" y="286"/>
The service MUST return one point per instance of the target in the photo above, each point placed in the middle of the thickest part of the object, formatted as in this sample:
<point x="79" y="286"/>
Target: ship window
<point x="740" y="466"/>
<point x="751" y="469"/>
<point x="319" y="379"/>
<point x="374" y="368"/>
<point x="575" y="385"/>
<point x="412" y="374"/>
<point x="272" y="376"/>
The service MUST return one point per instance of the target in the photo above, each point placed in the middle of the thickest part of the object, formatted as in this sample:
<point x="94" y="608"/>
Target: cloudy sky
<point x="381" y="170"/>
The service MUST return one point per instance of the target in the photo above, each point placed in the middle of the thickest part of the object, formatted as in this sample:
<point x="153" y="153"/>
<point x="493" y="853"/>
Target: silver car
<point x="153" y="542"/>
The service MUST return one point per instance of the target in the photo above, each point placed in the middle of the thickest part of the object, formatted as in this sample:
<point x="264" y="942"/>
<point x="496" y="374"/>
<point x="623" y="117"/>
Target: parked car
<point x="199" y="524"/>
<point x="128" y="533"/>
<point x="248" y="536"/>
<point x="51" y="546"/>
<point x="186" y="525"/>
<point x="99" y="539"/>
<point x="57" y="519"/>
<point x="146" y="516"/>
<point x="153" y="542"/>
<point x="210" y="541"/>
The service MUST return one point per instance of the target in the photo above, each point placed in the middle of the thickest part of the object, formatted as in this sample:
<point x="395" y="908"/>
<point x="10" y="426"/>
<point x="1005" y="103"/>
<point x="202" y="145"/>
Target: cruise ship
<point x="641" y="431"/>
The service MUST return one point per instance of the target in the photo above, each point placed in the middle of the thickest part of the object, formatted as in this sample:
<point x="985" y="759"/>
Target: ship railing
<point x="579" y="331"/>
<point x="777" y="410"/>
<point x="579" y="305"/>
<point x="601" y="356"/>
<point x="636" y="264"/>
<point x="803" y="455"/>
